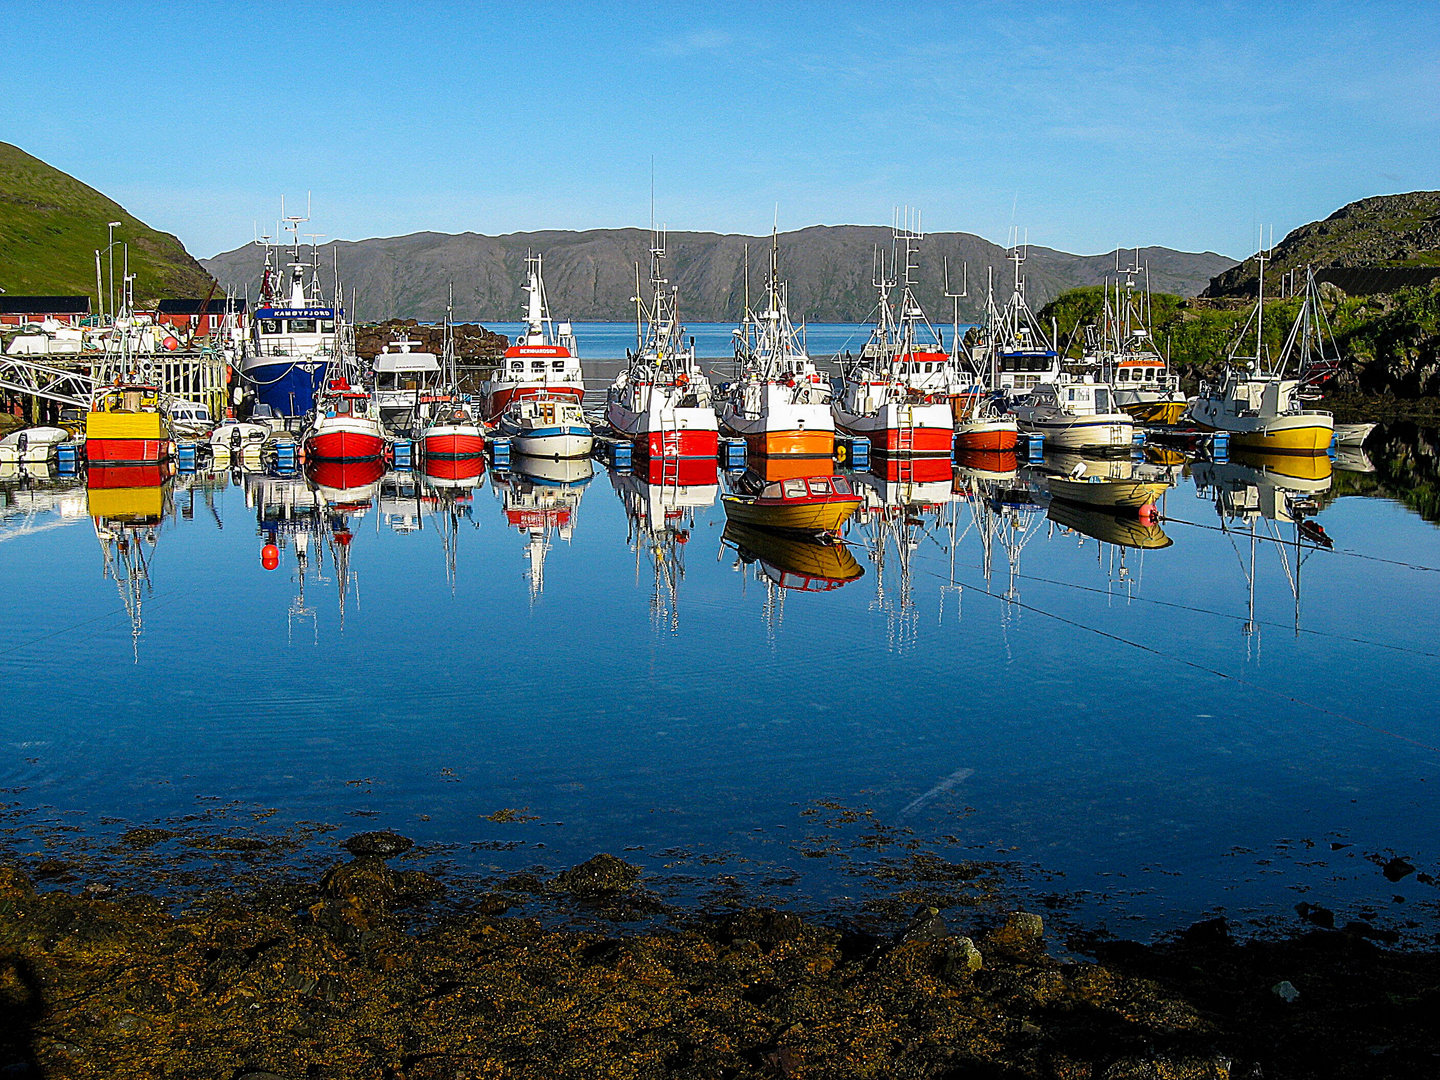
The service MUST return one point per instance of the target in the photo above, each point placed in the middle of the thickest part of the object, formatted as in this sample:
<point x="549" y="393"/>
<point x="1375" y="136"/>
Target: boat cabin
<point x="1074" y="398"/>
<point x="404" y="378"/>
<point x="126" y="398"/>
<point x="806" y="489"/>
<point x="1144" y="373"/>
<point x="341" y="399"/>
<point x="294" y="331"/>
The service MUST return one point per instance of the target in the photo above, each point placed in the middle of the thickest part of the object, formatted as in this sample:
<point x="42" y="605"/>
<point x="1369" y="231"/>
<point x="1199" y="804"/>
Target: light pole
<point x="110" y="254"/>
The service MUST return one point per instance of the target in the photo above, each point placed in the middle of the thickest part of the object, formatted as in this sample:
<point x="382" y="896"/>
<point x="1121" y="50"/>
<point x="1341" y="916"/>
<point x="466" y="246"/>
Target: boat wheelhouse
<point x="126" y="426"/>
<point x="779" y="403"/>
<point x="543" y="361"/>
<point x="661" y="398"/>
<point x="1122" y="349"/>
<point x="346" y="426"/>
<point x="1076" y="414"/>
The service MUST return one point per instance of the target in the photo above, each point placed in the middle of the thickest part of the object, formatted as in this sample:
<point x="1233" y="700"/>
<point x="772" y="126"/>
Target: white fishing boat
<point x="779" y="403"/>
<point x="661" y="399"/>
<point x="190" y="419"/>
<point x="547" y="428"/>
<point x="1075" y="414"/>
<point x="406" y="378"/>
<point x="1353" y="435"/>
<point x="33" y="446"/>
<point x="1012" y="348"/>
<point x="451" y="433"/>
<point x="543" y="361"/>
<point x="898" y="392"/>
<point x="1256" y="402"/>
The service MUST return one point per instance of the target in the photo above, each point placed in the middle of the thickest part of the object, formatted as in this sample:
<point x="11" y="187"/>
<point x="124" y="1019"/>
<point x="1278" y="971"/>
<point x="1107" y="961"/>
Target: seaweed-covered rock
<point x="602" y="876"/>
<point x="381" y="845"/>
<point x="1021" y="930"/>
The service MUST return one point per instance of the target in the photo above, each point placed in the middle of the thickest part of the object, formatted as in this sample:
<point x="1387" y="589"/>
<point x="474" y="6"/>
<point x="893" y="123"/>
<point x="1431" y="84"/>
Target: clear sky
<point x="1091" y="125"/>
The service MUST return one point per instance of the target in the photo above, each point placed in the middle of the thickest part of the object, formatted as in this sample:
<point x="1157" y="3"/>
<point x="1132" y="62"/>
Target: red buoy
<point x="270" y="556"/>
<point x="1147" y="514"/>
<point x="171" y="344"/>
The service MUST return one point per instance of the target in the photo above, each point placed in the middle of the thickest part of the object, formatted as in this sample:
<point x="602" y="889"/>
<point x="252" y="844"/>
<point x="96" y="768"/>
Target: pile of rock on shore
<point x="372" y="973"/>
<point x="473" y="343"/>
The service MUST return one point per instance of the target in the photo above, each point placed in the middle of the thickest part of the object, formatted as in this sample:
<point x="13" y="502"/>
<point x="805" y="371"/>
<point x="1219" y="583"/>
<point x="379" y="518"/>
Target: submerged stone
<point x="382" y="845"/>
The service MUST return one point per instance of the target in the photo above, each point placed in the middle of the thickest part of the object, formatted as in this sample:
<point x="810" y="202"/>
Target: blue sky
<point x="1091" y="125"/>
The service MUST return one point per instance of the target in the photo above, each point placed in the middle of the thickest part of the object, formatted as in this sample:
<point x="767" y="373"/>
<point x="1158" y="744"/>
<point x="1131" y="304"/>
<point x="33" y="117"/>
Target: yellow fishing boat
<point x="794" y="562"/>
<point x="809" y="504"/>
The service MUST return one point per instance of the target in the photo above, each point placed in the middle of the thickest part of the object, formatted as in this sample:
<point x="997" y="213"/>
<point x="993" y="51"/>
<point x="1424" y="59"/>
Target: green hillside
<point x="51" y="224"/>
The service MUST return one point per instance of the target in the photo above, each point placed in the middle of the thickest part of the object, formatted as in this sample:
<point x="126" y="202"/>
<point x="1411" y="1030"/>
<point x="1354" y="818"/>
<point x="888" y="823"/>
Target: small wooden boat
<point x="807" y="504"/>
<point x="1112" y="494"/>
<point x="793" y="562"/>
<point x="1121" y="530"/>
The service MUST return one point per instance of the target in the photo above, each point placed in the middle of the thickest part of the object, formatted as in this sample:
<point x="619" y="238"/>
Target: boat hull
<point x="1108" y="494"/>
<point x="999" y="434"/>
<point x="915" y="430"/>
<point x="349" y="441"/>
<point x="1302" y="438"/>
<point x="124" y="438"/>
<point x="449" y="470"/>
<point x="1112" y="432"/>
<point x="556" y="442"/>
<point x="808" y="517"/>
<point x="288" y="385"/>
<point x="1158" y="413"/>
<point x="453" y="441"/>
<point x="684" y="432"/>
<point x="782" y="429"/>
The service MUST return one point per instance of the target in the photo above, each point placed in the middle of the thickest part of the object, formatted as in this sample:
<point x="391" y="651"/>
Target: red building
<point x="19" y="310"/>
<point x="196" y="316"/>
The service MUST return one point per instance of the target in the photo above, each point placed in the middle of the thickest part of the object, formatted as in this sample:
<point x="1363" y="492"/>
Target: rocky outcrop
<point x="473" y="344"/>
<point x="1385" y="230"/>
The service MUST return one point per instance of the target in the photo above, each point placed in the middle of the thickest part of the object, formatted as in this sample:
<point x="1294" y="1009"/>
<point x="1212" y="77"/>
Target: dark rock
<point x="1020" y="930"/>
<point x="961" y="959"/>
<point x="492" y="904"/>
<point x="927" y="925"/>
<point x="1207" y="934"/>
<point x="1396" y="869"/>
<point x="604" y="875"/>
<point x="1314" y="913"/>
<point x="382" y="845"/>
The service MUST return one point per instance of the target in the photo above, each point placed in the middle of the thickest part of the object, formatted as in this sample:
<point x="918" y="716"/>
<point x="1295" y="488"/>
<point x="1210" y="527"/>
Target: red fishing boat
<point x="346" y="426"/>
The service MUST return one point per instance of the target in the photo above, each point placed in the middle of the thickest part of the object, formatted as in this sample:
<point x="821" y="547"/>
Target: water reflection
<point x="127" y="504"/>
<point x="661" y="518"/>
<point x="540" y="497"/>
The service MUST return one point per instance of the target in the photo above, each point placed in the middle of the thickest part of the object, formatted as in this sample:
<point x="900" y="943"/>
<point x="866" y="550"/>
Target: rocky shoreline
<point x="379" y="972"/>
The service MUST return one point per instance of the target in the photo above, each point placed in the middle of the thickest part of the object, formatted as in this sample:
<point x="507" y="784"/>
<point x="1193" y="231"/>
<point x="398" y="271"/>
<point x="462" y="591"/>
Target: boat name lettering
<point x="296" y="313"/>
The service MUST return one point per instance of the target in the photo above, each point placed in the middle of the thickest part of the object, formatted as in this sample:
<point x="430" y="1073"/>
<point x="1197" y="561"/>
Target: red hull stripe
<point x="684" y="444"/>
<point x="454" y="446"/>
<point x="344" y="446"/>
<point x="126" y="451"/>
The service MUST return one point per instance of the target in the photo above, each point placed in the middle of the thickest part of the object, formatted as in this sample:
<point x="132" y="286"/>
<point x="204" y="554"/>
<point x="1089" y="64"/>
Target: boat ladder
<point x="669" y="449"/>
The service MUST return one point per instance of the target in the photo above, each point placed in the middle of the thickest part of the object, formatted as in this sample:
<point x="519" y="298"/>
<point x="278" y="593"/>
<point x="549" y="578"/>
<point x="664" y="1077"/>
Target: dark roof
<point x="193" y="306"/>
<point x="44" y="305"/>
<point x="1365" y="280"/>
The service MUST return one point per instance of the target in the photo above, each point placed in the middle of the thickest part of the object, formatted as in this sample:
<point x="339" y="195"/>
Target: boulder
<point x="604" y="875"/>
<point x="382" y="845"/>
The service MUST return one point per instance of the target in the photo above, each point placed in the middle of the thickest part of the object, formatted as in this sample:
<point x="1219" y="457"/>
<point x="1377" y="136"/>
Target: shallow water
<point x="1116" y="721"/>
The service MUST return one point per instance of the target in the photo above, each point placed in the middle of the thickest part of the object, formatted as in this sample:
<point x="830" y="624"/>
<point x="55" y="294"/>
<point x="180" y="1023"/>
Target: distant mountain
<point x="591" y="275"/>
<point x="1382" y="231"/>
<point x="51" y="224"/>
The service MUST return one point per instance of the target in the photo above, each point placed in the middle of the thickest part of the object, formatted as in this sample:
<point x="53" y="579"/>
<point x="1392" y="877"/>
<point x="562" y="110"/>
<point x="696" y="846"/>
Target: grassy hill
<point x="1382" y="231"/>
<point x="51" y="224"/>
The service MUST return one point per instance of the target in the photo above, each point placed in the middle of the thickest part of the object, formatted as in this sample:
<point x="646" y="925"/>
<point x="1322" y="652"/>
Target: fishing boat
<point x="296" y="335"/>
<point x="779" y="403"/>
<point x="793" y="562"/>
<point x="661" y="399"/>
<point x="1011" y="351"/>
<point x="451" y="433"/>
<point x="1076" y="414"/>
<point x="33" y="446"/>
<point x="126" y="426"/>
<point x="813" y="504"/>
<point x="542" y="361"/>
<point x="1122" y="349"/>
<point x="547" y="428"/>
<point x="1353" y="435"/>
<point x="405" y="383"/>
<point x="897" y="393"/>
<point x="346" y="425"/>
<point x="1256" y="402"/>
<point x="347" y="486"/>
<point x="1106" y="492"/>
<point x="189" y="419"/>
<point x="982" y="424"/>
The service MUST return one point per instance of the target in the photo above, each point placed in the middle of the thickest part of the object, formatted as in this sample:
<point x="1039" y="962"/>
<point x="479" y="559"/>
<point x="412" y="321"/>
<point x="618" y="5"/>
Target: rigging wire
<point x="1207" y="670"/>
<point x="1313" y="547"/>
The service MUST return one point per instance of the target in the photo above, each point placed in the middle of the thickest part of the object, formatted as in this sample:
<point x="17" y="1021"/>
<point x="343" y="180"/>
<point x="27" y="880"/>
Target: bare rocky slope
<point x="591" y="275"/>
<point x="1382" y="231"/>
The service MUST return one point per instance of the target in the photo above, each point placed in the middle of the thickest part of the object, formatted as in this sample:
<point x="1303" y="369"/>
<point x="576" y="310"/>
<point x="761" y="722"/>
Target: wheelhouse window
<point x="537" y="365"/>
<point x="517" y="365"/>
<point x="270" y="326"/>
<point x="842" y="486"/>
<point x="327" y="326"/>
<point x="302" y="326"/>
<point x="820" y="485"/>
<point x="1102" y="399"/>
<point x="558" y="365"/>
<point x="794" y="489"/>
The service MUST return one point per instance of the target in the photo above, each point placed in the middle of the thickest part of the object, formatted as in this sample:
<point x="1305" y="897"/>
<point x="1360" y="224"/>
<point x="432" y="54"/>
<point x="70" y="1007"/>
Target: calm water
<point x="589" y="649"/>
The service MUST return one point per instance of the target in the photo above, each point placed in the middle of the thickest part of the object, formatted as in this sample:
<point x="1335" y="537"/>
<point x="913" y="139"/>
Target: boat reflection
<point x="539" y="497"/>
<point x="1278" y="490"/>
<point x="1002" y="512"/>
<point x="346" y="487"/>
<point x="902" y="501"/>
<point x="452" y="484"/>
<point x="791" y="561"/>
<point x="1122" y="530"/>
<point x="661" y="517"/>
<point x="127" y="504"/>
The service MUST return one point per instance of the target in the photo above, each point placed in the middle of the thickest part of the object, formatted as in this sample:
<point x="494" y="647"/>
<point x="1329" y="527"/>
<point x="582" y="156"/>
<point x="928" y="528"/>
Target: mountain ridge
<point x="590" y="274"/>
